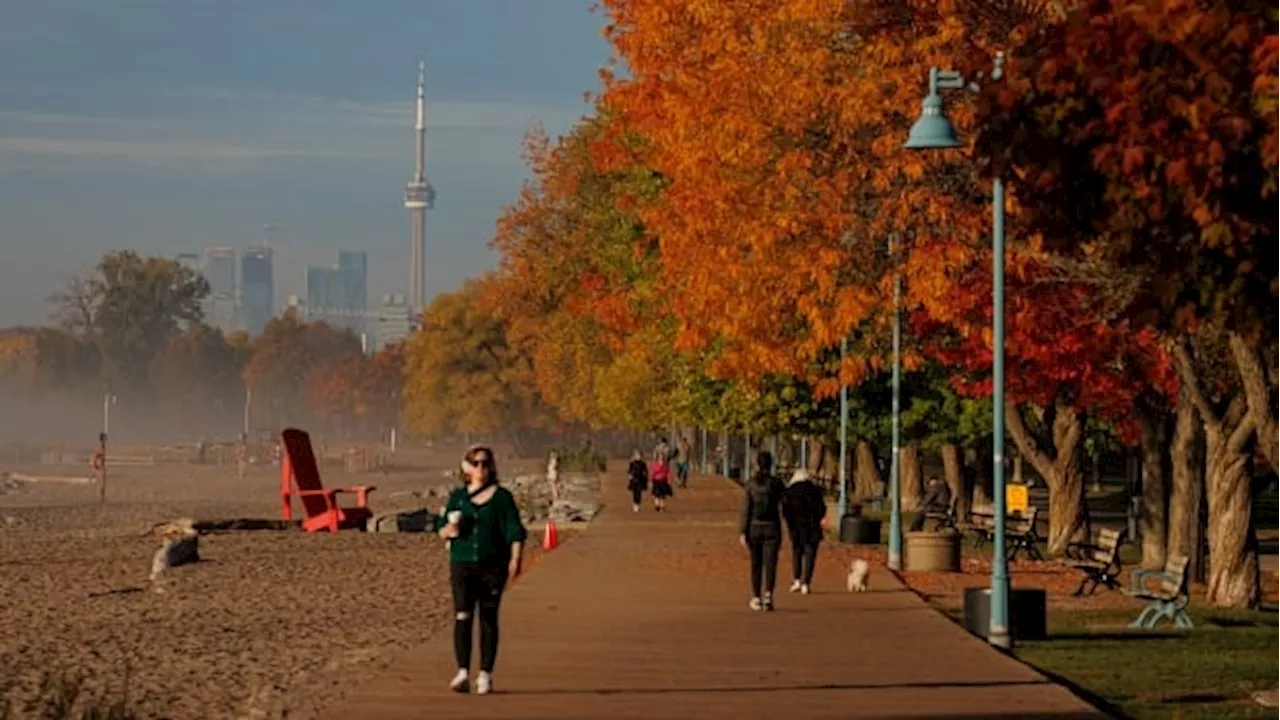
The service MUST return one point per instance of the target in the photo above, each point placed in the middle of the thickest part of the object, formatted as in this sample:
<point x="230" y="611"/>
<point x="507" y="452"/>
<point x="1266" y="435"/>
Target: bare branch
<point x="1187" y="373"/>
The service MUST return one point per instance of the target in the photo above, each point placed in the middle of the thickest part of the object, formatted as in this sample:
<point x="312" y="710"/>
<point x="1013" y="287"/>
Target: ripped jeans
<point x="477" y="590"/>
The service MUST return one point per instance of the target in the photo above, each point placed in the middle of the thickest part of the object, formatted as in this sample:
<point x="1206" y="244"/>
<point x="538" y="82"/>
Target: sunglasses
<point x="482" y="462"/>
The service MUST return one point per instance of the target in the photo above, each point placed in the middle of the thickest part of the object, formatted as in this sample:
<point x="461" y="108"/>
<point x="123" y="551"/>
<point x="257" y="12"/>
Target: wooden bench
<point x="1098" y="559"/>
<point x="1168" y="599"/>
<point x="1019" y="531"/>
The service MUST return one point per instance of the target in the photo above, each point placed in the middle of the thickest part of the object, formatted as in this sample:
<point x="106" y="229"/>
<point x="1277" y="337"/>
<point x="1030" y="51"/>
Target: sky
<point x="164" y="127"/>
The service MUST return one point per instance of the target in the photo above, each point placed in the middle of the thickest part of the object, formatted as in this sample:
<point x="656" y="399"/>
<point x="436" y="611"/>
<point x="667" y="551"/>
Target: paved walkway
<point x="646" y="616"/>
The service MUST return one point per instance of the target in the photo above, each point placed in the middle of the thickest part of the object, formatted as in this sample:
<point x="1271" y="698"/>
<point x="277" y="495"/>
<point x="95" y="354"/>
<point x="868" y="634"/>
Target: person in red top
<point x="661" y="476"/>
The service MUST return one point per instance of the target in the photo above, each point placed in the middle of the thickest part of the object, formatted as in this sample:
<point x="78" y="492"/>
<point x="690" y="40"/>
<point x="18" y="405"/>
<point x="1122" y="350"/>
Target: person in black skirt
<point x="661" y="476"/>
<point x="637" y="479"/>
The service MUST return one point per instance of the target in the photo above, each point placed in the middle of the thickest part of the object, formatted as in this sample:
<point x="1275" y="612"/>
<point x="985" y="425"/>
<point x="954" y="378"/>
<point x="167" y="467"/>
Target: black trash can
<point x="1027" y="613"/>
<point x="856" y="530"/>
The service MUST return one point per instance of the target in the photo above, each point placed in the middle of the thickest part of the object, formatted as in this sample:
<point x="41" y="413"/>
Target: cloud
<point x="225" y="130"/>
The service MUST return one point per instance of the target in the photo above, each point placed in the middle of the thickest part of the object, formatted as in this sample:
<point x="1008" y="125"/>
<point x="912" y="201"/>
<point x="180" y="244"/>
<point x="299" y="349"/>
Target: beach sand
<point x="268" y="623"/>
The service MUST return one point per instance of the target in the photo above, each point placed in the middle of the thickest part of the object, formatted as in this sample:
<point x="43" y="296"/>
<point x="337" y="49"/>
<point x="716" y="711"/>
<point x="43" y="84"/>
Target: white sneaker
<point x="768" y="602"/>
<point x="804" y="589"/>
<point x="755" y="604"/>
<point x="635" y="508"/>
<point x="461" y="682"/>
<point x="484" y="683"/>
<point x="795" y="586"/>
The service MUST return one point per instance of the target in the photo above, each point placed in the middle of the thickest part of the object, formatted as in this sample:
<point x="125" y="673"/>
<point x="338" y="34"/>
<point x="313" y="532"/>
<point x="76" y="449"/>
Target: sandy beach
<point x="269" y="623"/>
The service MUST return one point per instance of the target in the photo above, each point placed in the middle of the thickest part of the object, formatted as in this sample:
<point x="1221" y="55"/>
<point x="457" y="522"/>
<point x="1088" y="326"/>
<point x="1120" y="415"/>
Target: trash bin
<point x="857" y="530"/>
<point x="1027" y="617"/>
<point x="937" y="551"/>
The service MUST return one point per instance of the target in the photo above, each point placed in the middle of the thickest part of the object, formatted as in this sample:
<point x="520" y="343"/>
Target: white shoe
<point x="795" y="586"/>
<point x="755" y="604"/>
<point x="461" y="682"/>
<point x="484" y="683"/>
<point x="635" y="508"/>
<point x="804" y="589"/>
<point x="767" y="605"/>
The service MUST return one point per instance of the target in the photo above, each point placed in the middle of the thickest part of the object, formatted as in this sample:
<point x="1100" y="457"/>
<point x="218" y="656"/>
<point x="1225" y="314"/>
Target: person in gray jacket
<point x="761" y="530"/>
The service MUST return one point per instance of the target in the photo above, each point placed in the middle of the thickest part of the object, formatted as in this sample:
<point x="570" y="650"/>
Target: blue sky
<point x="167" y="125"/>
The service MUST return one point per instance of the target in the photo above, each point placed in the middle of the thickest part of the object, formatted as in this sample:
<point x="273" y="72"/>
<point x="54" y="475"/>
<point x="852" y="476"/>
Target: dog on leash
<point x="858" y="572"/>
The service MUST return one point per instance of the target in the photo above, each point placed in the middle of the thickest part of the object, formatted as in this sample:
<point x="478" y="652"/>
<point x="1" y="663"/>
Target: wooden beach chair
<point x="298" y="467"/>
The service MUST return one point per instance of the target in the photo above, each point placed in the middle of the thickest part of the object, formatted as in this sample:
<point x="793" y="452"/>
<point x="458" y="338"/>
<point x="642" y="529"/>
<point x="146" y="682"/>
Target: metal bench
<point x="1168" y="599"/>
<point x="1098" y="559"/>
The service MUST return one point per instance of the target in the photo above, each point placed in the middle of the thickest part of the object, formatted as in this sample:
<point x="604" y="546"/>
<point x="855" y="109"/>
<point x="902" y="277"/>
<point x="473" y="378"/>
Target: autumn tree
<point x="131" y="306"/>
<point x="1141" y="139"/>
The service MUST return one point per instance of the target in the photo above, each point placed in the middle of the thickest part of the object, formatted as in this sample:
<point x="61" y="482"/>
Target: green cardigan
<point x="487" y="531"/>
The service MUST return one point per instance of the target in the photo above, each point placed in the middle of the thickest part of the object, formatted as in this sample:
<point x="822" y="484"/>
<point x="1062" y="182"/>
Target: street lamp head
<point x="932" y="130"/>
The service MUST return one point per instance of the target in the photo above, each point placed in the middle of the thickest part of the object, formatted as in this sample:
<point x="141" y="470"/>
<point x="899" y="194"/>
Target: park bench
<point x="1019" y="531"/>
<point x="1098" y="559"/>
<point x="1168" y="598"/>
<point x="941" y="519"/>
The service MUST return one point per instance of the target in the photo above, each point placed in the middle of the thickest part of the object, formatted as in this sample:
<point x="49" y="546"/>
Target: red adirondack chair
<point x="298" y="465"/>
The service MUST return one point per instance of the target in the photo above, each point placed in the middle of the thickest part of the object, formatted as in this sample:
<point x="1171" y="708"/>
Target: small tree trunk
<point x="1095" y="473"/>
<point x="1186" y="466"/>
<point x="1258" y="392"/>
<point x="1152" y="521"/>
<point x="1057" y="460"/>
<point x="911" y="477"/>
<point x="1018" y="477"/>
<point x="953" y="474"/>
<point x="867" y="480"/>
<point x="977" y="469"/>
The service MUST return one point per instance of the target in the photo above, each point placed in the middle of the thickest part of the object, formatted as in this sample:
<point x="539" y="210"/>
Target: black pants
<point x="763" y="542"/>
<point x="804" y="556"/>
<point x="637" y="494"/>
<point x="477" y="589"/>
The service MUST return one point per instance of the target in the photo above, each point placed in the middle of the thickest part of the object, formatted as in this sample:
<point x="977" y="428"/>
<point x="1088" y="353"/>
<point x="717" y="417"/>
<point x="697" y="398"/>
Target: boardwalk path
<point x="646" y="616"/>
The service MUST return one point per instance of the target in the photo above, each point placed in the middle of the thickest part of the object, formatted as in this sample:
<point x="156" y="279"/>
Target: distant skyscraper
<point x="257" y="289"/>
<point x="353" y="277"/>
<point x="419" y="197"/>
<point x="219" y="269"/>
<point x="337" y="295"/>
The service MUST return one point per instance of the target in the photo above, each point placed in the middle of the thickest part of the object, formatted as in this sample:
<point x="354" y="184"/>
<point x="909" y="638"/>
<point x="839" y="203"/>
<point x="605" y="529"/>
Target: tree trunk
<point x="1233" y="552"/>
<point x="1153" y="520"/>
<point x="867" y="480"/>
<point x="910" y="477"/>
<point x="1186" y="465"/>
<point x="1018" y="478"/>
<point x="1057" y="460"/>
<point x="977" y="471"/>
<point x="953" y="474"/>
<point x="1233" y="547"/>
<point x="1258" y="393"/>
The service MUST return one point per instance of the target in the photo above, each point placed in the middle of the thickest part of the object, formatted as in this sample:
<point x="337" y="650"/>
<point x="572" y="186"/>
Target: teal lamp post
<point x="895" y="460"/>
<point x="933" y="131"/>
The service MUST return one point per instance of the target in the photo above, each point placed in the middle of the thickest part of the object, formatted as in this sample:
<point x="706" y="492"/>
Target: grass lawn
<point x="1208" y="672"/>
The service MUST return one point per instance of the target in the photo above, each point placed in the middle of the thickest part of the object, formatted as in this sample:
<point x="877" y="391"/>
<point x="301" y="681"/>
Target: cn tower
<point x="419" y="197"/>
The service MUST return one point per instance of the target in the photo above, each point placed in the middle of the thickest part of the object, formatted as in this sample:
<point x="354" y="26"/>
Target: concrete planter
<point x="937" y="551"/>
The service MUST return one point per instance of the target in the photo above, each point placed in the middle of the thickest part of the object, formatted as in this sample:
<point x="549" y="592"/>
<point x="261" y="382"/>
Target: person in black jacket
<point x="803" y="507"/>
<point x="761" y="530"/>
<point x="637" y="479"/>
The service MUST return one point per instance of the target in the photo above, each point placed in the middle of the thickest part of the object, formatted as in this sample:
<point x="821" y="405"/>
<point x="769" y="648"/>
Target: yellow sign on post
<point x="1015" y="499"/>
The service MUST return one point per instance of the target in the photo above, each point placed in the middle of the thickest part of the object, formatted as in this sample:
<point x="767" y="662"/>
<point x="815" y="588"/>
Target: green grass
<point x="1208" y="672"/>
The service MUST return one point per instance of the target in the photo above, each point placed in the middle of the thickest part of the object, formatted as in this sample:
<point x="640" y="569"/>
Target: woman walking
<point x="761" y="530"/>
<point x="486" y="539"/>
<point x="803" y="507"/>
<point x="661" y="484"/>
<point x="637" y="480"/>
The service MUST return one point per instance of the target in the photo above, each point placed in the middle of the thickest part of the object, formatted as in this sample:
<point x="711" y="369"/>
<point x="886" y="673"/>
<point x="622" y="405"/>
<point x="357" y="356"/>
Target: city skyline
<point x="206" y="148"/>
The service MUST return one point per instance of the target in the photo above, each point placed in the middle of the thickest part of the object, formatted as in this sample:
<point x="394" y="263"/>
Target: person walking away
<point x="803" y="507"/>
<point x="937" y="501"/>
<point x="761" y="530"/>
<point x="486" y="540"/>
<point x="637" y="479"/>
<point x="661" y="484"/>
<point x="662" y="451"/>
<point x="683" y="452"/>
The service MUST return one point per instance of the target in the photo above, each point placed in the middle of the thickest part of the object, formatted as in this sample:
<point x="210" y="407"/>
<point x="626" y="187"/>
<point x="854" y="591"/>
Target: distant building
<point x="257" y="289"/>
<point x="393" y="321"/>
<point x="219" y="270"/>
<point x="336" y="295"/>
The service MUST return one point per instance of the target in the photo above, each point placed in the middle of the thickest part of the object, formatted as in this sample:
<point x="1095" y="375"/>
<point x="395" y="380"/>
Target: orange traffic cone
<point x="550" y="538"/>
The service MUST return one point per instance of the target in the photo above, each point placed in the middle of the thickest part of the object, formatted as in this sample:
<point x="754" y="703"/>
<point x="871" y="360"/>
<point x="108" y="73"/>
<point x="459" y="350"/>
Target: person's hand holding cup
<point x="451" y="530"/>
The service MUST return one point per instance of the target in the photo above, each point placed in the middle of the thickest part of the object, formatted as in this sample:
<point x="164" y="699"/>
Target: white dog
<point x="858" y="572"/>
